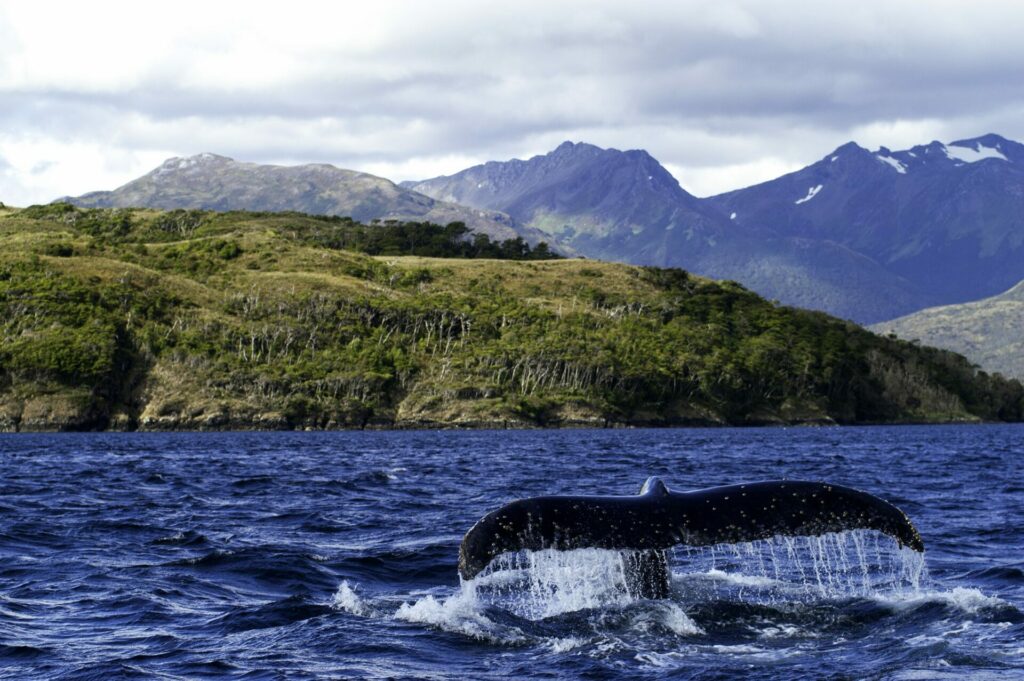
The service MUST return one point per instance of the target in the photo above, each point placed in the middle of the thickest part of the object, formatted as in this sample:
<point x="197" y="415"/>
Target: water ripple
<point x="332" y="555"/>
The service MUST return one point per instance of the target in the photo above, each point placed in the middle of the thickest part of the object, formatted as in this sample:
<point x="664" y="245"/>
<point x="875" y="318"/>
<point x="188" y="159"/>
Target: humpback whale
<point x="648" y="524"/>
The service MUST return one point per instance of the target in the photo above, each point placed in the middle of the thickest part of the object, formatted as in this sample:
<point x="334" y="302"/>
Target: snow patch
<point x="733" y="216"/>
<point x="973" y="155"/>
<point x="899" y="167"/>
<point x="811" y="193"/>
<point x="834" y="159"/>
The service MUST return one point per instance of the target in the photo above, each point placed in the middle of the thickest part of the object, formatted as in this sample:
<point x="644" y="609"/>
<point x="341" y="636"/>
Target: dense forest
<point x="120" y="318"/>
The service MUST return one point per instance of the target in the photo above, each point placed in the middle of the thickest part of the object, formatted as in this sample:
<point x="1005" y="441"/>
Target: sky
<point x="725" y="94"/>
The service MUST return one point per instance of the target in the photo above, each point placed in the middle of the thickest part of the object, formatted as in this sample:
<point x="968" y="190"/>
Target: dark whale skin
<point x="657" y="519"/>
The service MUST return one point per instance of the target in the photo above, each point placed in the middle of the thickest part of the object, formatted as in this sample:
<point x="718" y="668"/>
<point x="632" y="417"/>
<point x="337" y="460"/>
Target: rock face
<point x="863" y="235"/>
<point x="988" y="332"/>
<point x="215" y="182"/>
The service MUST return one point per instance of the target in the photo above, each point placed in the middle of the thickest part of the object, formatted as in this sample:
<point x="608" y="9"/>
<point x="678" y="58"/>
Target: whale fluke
<point x="657" y="519"/>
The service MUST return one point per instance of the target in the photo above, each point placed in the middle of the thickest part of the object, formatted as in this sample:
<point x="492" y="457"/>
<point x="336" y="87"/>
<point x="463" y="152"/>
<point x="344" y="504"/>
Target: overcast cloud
<point x="725" y="94"/>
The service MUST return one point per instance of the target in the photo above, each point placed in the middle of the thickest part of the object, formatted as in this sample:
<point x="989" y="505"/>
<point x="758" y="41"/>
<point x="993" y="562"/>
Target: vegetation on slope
<point x="186" y="319"/>
<point x="989" y="332"/>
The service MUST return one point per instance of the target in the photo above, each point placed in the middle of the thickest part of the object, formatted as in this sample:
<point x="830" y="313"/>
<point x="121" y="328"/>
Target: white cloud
<point x="710" y="180"/>
<point x="722" y="92"/>
<point x="34" y="167"/>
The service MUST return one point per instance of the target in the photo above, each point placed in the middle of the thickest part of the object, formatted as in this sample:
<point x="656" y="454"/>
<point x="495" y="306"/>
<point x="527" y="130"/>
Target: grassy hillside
<point x="989" y="332"/>
<point x="142" y="319"/>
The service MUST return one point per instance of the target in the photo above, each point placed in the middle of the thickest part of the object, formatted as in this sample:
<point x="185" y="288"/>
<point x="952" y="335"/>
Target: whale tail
<point x="648" y="524"/>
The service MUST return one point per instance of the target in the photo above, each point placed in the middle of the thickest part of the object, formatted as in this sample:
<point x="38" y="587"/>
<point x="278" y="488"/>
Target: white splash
<point x="668" y="615"/>
<point x="460" y="613"/>
<point x="347" y="600"/>
<point x="856" y="563"/>
<point x="781" y="572"/>
<point x="539" y="584"/>
<point x="811" y="193"/>
<point x="967" y="600"/>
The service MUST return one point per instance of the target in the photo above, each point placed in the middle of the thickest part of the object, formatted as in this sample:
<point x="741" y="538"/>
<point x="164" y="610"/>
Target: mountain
<point x="948" y="219"/>
<point x="209" y="181"/>
<point x="623" y="205"/>
<point x="602" y="202"/>
<point x="863" y="235"/>
<point x="121" y="319"/>
<point x="988" y="332"/>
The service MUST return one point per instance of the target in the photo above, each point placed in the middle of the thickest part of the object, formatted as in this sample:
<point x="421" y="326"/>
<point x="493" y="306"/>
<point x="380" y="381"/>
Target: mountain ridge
<point x="896" y="231"/>
<point x="947" y="217"/>
<point x="214" y="182"/>
<point x="865" y="235"/>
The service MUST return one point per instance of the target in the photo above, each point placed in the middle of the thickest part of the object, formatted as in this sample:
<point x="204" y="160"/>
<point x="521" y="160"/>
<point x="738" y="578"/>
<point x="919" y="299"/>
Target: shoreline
<point x="251" y="427"/>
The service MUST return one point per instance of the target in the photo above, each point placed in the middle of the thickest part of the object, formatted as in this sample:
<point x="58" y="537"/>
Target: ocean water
<point x="333" y="555"/>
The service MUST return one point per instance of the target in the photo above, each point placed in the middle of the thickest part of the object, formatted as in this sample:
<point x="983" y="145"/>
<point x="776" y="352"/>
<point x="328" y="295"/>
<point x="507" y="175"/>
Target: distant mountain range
<point x="864" y="235"/>
<point x="215" y="182"/>
<point x="948" y="219"/>
<point x="988" y="332"/>
<point x="860" y="234"/>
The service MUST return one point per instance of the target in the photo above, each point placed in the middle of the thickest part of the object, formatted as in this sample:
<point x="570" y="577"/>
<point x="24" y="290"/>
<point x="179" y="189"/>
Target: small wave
<point x="254" y="481"/>
<point x="968" y="600"/>
<point x="740" y="579"/>
<point x="276" y="614"/>
<point x="785" y="631"/>
<point x="21" y="652"/>
<point x="184" y="538"/>
<point x="1004" y="573"/>
<point x="268" y="570"/>
<point x="666" y="615"/>
<point x="564" y="645"/>
<point x="347" y="600"/>
<point x="458" y="614"/>
<point x="678" y="659"/>
<point x="365" y="480"/>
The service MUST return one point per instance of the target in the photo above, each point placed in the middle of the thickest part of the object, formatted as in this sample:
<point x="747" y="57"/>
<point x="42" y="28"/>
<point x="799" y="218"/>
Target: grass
<point x="240" y="320"/>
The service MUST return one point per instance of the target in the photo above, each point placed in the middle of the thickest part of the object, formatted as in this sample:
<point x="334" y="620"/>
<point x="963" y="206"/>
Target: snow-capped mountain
<point x="948" y="218"/>
<point x="867" y="235"/>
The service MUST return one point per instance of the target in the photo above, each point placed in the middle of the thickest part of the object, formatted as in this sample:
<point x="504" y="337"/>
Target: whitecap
<point x="347" y="600"/>
<point x="458" y="614"/>
<point x="968" y="600"/>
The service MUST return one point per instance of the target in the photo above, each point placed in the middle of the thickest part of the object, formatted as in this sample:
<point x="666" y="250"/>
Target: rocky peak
<point x="203" y="160"/>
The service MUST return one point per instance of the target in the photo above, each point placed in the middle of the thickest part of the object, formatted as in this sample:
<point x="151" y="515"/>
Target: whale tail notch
<point x="648" y="524"/>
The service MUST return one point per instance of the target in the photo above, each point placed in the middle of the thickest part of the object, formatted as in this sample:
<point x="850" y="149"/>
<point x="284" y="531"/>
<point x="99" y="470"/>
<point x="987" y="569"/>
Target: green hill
<point x="989" y="332"/>
<point x="124" y="319"/>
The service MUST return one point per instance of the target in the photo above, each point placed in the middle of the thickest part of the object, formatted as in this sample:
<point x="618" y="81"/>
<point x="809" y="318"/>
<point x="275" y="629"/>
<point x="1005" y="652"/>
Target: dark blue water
<point x="332" y="555"/>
